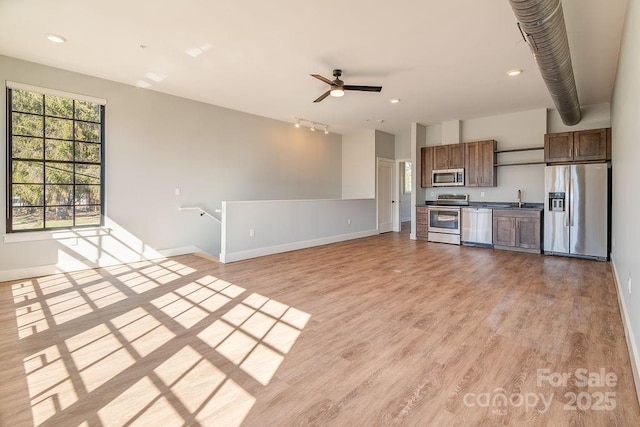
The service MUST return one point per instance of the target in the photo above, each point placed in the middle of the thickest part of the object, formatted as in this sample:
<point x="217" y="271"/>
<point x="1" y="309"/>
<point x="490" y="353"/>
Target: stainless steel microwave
<point x="448" y="178"/>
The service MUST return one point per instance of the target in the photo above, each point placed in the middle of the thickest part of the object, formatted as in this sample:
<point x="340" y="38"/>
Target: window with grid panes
<point x="55" y="151"/>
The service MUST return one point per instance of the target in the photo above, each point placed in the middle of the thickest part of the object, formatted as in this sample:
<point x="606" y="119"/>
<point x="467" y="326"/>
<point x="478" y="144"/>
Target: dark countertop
<point x="496" y="205"/>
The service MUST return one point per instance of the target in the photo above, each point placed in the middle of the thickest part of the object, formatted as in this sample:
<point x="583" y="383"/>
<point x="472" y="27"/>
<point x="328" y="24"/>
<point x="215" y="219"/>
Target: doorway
<point x="404" y="187"/>
<point x="384" y="195"/>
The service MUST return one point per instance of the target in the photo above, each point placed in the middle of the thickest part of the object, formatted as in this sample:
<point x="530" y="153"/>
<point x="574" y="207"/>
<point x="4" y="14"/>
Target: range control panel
<point x="557" y="202"/>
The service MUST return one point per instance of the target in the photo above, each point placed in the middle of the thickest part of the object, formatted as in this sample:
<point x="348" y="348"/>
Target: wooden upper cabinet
<point x="590" y="145"/>
<point x="450" y="156"/>
<point x="487" y="151"/>
<point x="472" y="165"/>
<point x="426" y="154"/>
<point x="558" y="147"/>
<point x="456" y="156"/>
<point x="580" y="146"/>
<point x="441" y="157"/>
<point x="480" y="164"/>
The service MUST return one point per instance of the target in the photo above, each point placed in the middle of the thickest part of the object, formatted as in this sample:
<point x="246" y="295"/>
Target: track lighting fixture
<point x="311" y="125"/>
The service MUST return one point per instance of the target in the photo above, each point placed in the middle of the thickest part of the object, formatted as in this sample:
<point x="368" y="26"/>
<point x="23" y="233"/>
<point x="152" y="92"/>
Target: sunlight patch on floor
<point x="126" y="337"/>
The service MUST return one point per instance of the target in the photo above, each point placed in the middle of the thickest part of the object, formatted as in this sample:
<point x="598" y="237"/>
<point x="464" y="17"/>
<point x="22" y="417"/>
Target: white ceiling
<point x="445" y="59"/>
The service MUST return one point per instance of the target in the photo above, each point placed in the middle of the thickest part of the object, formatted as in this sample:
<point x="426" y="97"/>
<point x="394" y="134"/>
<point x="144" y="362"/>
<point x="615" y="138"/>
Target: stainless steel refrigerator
<point x="576" y="219"/>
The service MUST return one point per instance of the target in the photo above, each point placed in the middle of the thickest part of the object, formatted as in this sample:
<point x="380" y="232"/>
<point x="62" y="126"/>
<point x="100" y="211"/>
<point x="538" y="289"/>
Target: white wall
<point x="156" y="143"/>
<point x="593" y="117"/>
<point x="385" y="145"/>
<point x="625" y="112"/>
<point x="514" y="130"/>
<point x="403" y="152"/>
<point x="358" y="165"/>
<point x="403" y="144"/>
<point x="280" y="226"/>
<point x="451" y="132"/>
<point x="419" y="136"/>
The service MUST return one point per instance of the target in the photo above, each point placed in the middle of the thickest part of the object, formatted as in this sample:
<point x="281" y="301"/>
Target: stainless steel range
<point x="444" y="218"/>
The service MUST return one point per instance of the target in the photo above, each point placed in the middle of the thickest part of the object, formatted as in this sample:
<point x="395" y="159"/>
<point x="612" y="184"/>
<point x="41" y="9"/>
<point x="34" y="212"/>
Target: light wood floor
<point x="375" y="331"/>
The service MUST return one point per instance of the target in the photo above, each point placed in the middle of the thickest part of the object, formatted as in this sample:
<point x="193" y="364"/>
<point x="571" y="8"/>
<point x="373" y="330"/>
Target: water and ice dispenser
<point x="557" y="202"/>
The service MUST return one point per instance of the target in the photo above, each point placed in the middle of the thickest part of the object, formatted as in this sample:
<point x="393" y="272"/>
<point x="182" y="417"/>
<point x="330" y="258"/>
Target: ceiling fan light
<point x="326" y="130"/>
<point x="297" y="124"/>
<point x="337" y="92"/>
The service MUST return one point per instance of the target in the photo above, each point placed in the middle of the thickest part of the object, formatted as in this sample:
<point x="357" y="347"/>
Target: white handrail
<point x="202" y="212"/>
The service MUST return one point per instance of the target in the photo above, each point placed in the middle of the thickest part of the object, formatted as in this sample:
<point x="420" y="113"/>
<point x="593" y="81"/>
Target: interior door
<point x="384" y="196"/>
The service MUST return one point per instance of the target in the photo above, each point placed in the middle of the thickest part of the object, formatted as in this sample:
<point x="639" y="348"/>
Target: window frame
<point x="403" y="177"/>
<point x="10" y="87"/>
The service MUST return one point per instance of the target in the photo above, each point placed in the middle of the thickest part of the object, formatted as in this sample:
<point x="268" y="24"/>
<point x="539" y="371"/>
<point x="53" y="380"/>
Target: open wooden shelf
<point x="515" y="150"/>
<point x="521" y="164"/>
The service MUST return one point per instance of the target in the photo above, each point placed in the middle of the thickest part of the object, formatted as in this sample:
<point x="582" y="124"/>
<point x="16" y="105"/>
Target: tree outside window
<point x="405" y="176"/>
<point x="55" y="147"/>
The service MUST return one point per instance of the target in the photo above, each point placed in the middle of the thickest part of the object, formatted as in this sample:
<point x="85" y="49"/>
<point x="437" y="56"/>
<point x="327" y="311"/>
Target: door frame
<point x="393" y="168"/>
<point x="397" y="219"/>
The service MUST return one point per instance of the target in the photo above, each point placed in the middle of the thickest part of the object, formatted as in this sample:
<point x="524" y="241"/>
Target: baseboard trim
<point x="84" y="264"/>
<point x="294" y="246"/>
<point x="628" y="332"/>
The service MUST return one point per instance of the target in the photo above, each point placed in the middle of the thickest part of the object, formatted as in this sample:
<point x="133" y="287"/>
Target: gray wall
<point x="359" y="165"/>
<point x="156" y="143"/>
<point x="513" y="130"/>
<point x="626" y="175"/>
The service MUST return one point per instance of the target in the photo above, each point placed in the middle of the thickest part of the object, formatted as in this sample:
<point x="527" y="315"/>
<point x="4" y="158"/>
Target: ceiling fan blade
<point x="323" y="96"/>
<point x="319" y="77"/>
<point x="363" y="88"/>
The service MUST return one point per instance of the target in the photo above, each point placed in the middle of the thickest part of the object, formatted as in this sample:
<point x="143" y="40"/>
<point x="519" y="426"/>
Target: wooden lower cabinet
<point x="516" y="229"/>
<point x="421" y="222"/>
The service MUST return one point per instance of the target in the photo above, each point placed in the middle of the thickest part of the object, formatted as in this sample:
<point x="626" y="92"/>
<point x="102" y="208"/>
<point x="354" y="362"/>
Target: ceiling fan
<point x="338" y="87"/>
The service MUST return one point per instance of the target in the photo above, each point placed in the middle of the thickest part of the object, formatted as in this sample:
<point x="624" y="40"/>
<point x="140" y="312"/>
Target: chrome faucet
<point x="520" y="199"/>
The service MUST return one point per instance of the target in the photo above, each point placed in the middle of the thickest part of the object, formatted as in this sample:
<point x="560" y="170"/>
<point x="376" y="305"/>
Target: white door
<point x="384" y="195"/>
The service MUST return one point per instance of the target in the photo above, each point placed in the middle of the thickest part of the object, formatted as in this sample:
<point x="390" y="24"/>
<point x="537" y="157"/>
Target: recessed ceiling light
<point x="380" y="121"/>
<point x="394" y="100"/>
<point x="514" y="72"/>
<point x="55" y="38"/>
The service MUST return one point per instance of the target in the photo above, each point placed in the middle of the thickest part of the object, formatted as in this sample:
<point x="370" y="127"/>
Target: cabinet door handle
<point x="571" y="152"/>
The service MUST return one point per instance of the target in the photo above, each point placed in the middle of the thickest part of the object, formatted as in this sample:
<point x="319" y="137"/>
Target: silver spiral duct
<point x="542" y="24"/>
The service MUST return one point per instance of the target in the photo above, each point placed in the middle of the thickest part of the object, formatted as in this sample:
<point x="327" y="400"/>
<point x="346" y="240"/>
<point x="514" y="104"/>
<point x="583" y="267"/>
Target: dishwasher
<point x="477" y="227"/>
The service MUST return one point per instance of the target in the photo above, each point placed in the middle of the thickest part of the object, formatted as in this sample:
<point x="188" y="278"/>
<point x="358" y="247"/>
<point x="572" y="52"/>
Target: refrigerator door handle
<point x="569" y="199"/>
<point x="572" y="188"/>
